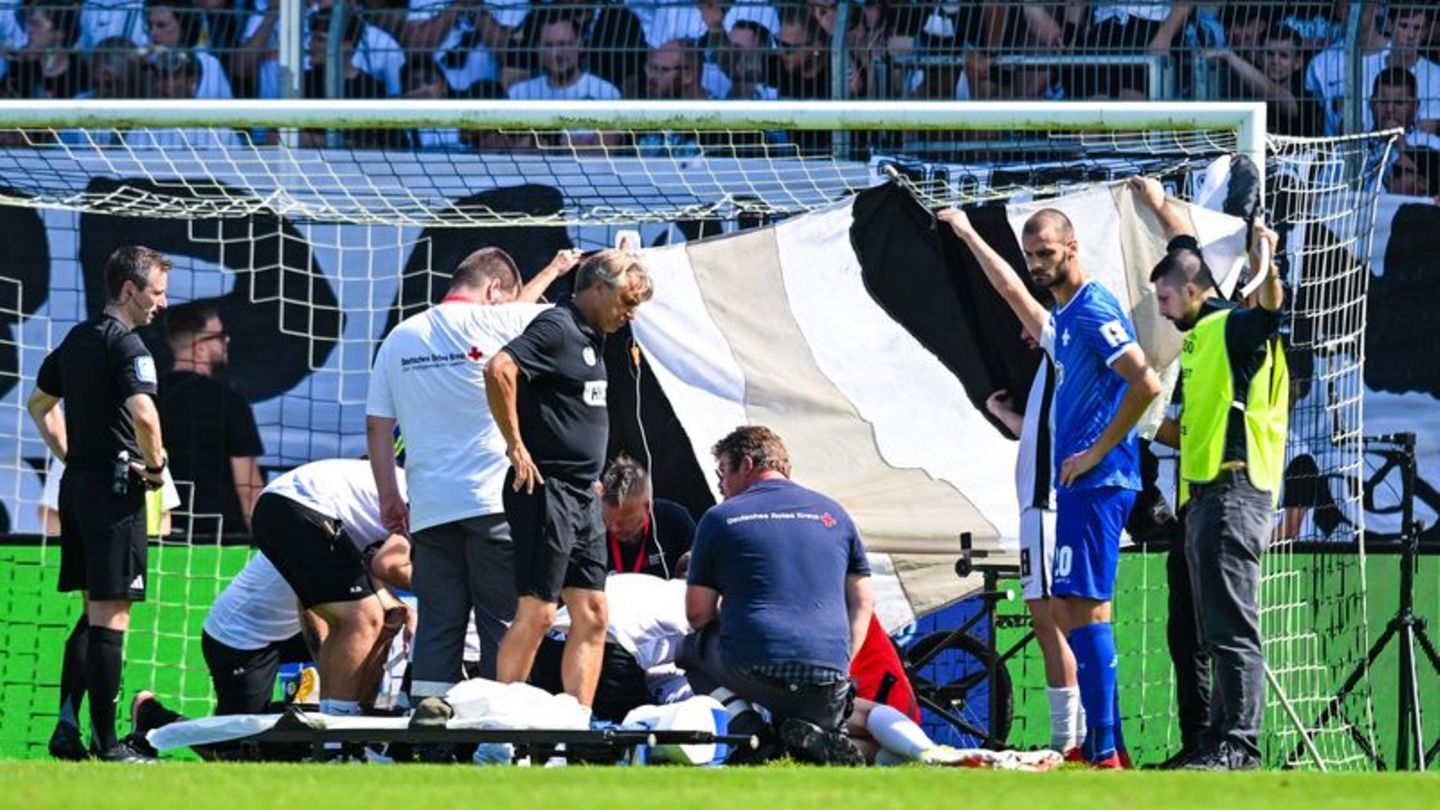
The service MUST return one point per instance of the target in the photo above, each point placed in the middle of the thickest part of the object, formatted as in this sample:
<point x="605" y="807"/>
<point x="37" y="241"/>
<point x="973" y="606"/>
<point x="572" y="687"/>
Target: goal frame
<point x="1246" y="118"/>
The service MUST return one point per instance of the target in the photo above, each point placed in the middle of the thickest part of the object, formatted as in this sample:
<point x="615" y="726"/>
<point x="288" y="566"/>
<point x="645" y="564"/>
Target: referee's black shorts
<point x="103" y="547"/>
<point x="559" y="538"/>
<point x="310" y="550"/>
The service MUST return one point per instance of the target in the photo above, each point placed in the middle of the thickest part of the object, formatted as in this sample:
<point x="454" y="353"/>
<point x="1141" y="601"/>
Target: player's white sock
<point x="1065" y="714"/>
<point x="897" y="733"/>
<point x="339" y="707"/>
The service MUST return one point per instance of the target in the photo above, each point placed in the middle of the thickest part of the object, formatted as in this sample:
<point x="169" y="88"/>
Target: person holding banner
<point x="1231" y="436"/>
<point x="1103" y="386"/>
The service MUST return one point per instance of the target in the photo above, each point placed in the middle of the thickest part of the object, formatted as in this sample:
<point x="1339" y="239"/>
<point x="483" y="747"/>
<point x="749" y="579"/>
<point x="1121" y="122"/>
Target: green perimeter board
<point x="184" y="581"/>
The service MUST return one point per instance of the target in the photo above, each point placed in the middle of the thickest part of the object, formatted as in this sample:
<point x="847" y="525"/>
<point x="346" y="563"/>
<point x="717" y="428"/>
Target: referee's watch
<point x="164" y="462"/>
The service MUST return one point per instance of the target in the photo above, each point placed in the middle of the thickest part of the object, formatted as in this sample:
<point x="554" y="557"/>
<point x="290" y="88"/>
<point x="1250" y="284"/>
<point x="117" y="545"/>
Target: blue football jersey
<point x="1083" y="338"/>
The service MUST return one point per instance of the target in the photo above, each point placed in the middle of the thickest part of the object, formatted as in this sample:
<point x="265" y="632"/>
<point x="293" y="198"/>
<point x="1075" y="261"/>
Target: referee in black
<point x="556" y="428"/>
<point x="109" y="439"/>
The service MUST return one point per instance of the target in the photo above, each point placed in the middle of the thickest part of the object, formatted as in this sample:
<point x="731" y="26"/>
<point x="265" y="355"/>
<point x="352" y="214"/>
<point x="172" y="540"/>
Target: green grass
<point x="197" y="786"/>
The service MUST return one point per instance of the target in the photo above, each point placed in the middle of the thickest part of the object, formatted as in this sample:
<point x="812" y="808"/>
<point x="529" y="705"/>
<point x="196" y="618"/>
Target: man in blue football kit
<point x="1103" y="385"/>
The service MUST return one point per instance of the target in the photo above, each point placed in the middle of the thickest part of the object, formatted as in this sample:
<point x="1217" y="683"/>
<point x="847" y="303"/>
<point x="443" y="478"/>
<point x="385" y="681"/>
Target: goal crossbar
<point x="1247" y="119"/>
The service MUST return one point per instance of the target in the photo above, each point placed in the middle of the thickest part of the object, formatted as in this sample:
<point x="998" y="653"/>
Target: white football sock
<point x="897" y="733"/>
<point x="1065" y="728"/>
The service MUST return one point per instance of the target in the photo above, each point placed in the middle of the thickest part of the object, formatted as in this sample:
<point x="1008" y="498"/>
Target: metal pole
<point x="840" y="75"/>
<point x="292" y="59"/>
<point x="335" y="64"/>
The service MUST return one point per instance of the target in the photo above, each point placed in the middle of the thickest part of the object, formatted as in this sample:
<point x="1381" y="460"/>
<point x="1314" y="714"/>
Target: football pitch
<point x="197" y="786"/>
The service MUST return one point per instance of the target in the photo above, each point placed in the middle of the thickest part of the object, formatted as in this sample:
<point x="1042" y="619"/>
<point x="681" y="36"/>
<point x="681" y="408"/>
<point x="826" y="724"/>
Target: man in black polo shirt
<point x="556" y="428"/>
<point x="643" y="534"/>
<point x="109" y="439"/>
<point x="210" y="426"/>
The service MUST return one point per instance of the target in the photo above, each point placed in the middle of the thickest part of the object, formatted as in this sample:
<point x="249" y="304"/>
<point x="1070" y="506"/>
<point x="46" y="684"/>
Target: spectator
<point x="254" y="69"/>
<point x="1409" y="33"/>
<point x="1393" y="104"/>
<point x="1326" y="76"/>
<point x="804" y="64"/>
<point x="1276" y="77"/>
<point x="615" y="44"/>
<point x="176" y="75"/>
<point x="423" y="79"/>
<point x="356" y="83"/>
<point x="177" y="24"/>
<point x="468" y="38"/>
<point x="563" y="77"/>
<point x="47" y="67"/>
<point x="673" y="72"/>
<point x="118" y="70"/>
<point x="745" y="60"/>
<point x="1414" y="172"/>
<point x="214" y="442"/>
<point x="1150" y="27"/>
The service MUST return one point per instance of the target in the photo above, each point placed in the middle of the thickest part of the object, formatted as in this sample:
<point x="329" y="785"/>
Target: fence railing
<point x="1317" y="63"/>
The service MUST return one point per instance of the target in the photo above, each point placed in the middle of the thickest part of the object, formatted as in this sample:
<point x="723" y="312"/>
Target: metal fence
<point x="1324" y="67"/>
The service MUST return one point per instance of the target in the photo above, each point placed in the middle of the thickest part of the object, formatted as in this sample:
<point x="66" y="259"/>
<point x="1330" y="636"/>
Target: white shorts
<point x="1037" y="548"/>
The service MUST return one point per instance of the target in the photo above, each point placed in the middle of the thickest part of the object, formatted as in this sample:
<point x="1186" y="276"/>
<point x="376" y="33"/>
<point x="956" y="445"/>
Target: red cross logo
<point x="475" y="354"/>
<point x="828" y="520"/>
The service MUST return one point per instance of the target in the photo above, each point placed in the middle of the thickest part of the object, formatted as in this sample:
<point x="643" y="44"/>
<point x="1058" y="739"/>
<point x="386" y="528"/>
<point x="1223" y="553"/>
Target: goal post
<point x="324" y="249"/>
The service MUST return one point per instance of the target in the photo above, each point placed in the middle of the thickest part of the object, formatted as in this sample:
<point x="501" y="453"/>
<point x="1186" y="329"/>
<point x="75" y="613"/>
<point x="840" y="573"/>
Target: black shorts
<point x="103" y="547"/>
<point x="244" y="680"/>
<point x="310" y="551"/>
<point x="622" y="686"/>
<point x="559" y="538"/>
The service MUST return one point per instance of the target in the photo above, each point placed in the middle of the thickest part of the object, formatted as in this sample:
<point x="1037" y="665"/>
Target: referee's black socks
<point x="104" y="684"/>
<point x="72" y="672"/>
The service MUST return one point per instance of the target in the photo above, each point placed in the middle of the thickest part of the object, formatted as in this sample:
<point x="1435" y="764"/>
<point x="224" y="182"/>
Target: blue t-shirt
<point x="779" y="554"/>
<point x="1083" y="338"/>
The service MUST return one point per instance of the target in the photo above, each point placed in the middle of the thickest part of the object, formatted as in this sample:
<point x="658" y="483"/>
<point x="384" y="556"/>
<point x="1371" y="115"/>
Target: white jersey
<point x="343" y="489"/>
<point x="429" y="377"/>
<point x="647" y="617"/>
<point x="1032" y="463"/>
<point x="256" y="609"/>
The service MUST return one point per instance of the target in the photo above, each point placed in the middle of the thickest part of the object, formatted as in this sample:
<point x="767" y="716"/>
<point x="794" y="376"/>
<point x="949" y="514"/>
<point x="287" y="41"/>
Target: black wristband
<point x="164" y="462"/>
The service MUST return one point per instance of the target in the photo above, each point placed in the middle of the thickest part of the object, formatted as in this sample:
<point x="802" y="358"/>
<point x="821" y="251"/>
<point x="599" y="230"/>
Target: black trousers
<point x="1187" y="652"/>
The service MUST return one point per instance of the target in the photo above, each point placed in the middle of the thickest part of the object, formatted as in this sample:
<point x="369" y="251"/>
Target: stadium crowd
<point x="1297" y="56"/>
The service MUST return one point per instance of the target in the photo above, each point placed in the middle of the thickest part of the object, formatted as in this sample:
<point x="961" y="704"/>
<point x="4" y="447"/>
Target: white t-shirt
<point x="587" y="87"/>
<point x="343" y="489"/>
<point x="256" y="609"/>
<point x="50" y="498"/>
<point x="429" y="376"/>
<point x="378" y="55"/>
<point x="1325" y="80"/>
<point x="647" y="616"/>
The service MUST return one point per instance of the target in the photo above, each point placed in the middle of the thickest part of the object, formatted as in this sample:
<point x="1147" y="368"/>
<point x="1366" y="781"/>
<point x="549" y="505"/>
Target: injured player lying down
<point x="324" y="555"/>
<point x="646" y="625"/>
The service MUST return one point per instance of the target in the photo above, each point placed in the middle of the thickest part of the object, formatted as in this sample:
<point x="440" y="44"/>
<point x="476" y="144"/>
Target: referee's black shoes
<point x="65" y="743"/>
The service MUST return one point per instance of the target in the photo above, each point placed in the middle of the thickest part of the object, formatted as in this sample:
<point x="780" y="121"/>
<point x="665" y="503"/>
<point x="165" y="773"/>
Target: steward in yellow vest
<point x="1231" y="434"/>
